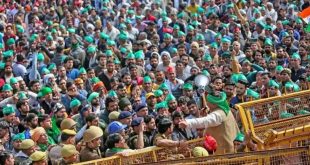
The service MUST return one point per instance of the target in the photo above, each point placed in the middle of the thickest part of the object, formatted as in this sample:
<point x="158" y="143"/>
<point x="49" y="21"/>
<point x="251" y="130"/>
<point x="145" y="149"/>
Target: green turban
<point x="273" y="83"/>
<point x="89" y="39"/>
<point x="7" y="87"/>
<point x="95" y="80"/>
<point x="187" y="86"/>
<point x="112" y="93"/>
<point x="91" y="49"/>
<point x="20" y="136"/>
<point x="92" y="96"/>
<point x="130" y="56"/>
<point x="46" y="90"/>
<point x="40" y="57"/>
<point x="13" y="80"/>
<point x="220" y="101"/>
<point x="207" y="57"/>
<point x="10" y="41"/>
<point x="139" y="54"/>
<point x="82" y="70"/>
<point x="163" y="86"/>
<point x="252" y="93"/>
<point x="51" y="66"/>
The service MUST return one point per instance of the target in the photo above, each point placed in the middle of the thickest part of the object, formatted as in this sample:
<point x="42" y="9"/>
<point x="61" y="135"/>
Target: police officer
<point x="92" y="139"/>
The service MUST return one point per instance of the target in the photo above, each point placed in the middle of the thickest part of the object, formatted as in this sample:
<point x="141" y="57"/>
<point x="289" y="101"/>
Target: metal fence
<point x="278" y="121"/>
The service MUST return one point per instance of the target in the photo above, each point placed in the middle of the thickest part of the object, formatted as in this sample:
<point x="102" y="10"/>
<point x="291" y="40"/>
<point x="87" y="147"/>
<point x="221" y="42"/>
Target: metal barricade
<point x="265" y="120"/>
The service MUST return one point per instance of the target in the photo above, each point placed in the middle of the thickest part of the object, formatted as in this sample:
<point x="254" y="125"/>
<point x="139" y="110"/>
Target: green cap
<point x="95" y="80"/>
<point x="181" y="15"/>
<point x="164" y="19"/>
<point x="20" y="29"/>
<point x="292" y="85"/>
<point x="190" y="28"/>
<point x="10" y="41"/>
<point x="49" y="23"/>
<point x="22" y="96"/>
<point x="279" y="68"/>
<point x="20" y="136"/>
<point x="13" y="80"/>
<point x="218" y="35"/>
<point x="8" y="110"/>
<point x="104" y="36"/>
<point x="205" y="72"/>
<point x="161" y="105"/>
<point x="71" y="30"/>
<point x="200" y="10"/>
<point x="285" y="34"/>
<point x="82" y="70"/>
<point x="139" y="54"/>
<point x="187" y="86"/>
<point x="131" y="12"/>
<point x="173" y="50"/>
<point x="49" y="38"/>
<point x="92" y="96"/>
<point x="225" y="40"/>
<point x="181" y="34"/>
<point x="53" y="31"/>
<point x="200" y="37"/>
<point x="285" y="115"/>
<point x="252" y="93"/>
<point x="45" y="71"/>
<point x="285" y="22"/>
<point x="123" y="50"/>
<point x="111" y="43"/>
<point x="117" y="61"/>
<point x="89" y="39"/>
<point x="51" y="66"/>
<point x="46" y="90"/>
<point x="268" y="42"/>
<point x="147" y="79"/>
<point x="170" y="97"/>
<point x="219" y="100"/>
<point x="75" y="103"/>
<point x="240" y="137"/>
<point x="91" y="49"/>
<point x="195" y="23"/>
<point x="207" y="57"/>
<point x="176" y="26"/>
<point x="1" y="46"/>
<point x="214" y="45"/>
<point x="7" y="87"/>
<point x="130" y="56"/>
<point x="299" y="21"/>
<point x="112" y="93"/>
<point x="296" y="56"/>
<point x="226" y="54"/>
<point x="273" y="83"/>
<point x="158" y="93"/>
<point x="163" y="86"/>
<point x="109" y="53"/>
<point x="2" y="65"/>
<point x="8" y="53"/>
<point x="123" y="36"/>
<point x="40" y="57"/>
<point x="167" y="36"/>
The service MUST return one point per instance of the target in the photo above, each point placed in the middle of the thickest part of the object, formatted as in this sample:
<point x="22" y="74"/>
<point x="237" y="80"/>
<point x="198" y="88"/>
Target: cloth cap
<point x="136" y="121"/>
<point x="161" y="105"/>
<point x="26" y="144"/>
<point x="115" y="127"/>
<point x="75" y="103"/>
<point x="124" y="115"/>
<point x="163" y="86"/>
<point x="187" y="86"/>
<point x="98" y="86"/>
<point x="13" y="80"/>
<point x="38" y="156"/>
<point x="148" y="95"/>
<point x="67" y="123"/>
<point x="252" y="93"/>
<point x="158" y="93"/>
<point x="114" y="115"/>
<point x="123" y="102"/>
<point x="92" y="133"/>
<point x="68" y="150"/>
<point x="89" y="39"/>
<point x="8" y="53"/>
<point x="147" y="79"/>
<point x="91" y="49"/>
<point x="200" y="152"/>
<point x="140" y="106"/>
<point x="7" y="87"/>
<point x="10" y="41"/>
<point x="170" y="97"/>
<point x="8" y="110"/>
<point x="92" y="96"/>
<point x="46" y="90"/>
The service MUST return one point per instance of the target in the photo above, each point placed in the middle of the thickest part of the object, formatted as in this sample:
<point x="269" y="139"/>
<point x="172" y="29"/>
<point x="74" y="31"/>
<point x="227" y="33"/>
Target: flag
<point x="305" y="15"/>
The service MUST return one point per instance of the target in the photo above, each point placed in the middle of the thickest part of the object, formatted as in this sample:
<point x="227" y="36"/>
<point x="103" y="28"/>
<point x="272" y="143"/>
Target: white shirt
<point x="212" y="120"/>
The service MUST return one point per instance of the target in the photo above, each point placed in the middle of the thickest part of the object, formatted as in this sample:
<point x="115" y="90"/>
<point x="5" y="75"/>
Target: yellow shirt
<point x="192" y="9"/>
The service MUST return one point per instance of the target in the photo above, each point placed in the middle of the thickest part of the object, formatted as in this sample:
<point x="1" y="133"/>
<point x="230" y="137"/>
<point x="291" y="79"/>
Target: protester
<point x="83" y="80"/>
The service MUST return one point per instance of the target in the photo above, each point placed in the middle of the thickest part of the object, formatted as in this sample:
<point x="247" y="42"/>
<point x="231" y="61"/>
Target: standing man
<point x="220" y="123"/>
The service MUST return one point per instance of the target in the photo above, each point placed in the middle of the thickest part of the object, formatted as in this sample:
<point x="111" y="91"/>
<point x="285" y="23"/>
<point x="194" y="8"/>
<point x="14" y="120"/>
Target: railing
<point x="263" y="119"/>
<point x="274" y="133"/>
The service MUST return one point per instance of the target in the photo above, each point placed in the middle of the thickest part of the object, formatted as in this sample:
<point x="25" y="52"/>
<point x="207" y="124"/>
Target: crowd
<point x="87" y="79"/>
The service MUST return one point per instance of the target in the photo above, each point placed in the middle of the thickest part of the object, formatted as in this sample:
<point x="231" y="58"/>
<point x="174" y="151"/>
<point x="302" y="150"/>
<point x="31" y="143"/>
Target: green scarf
<point x="219" y="101"/>
<point x="56" y="131"/>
